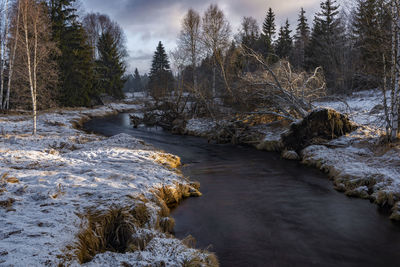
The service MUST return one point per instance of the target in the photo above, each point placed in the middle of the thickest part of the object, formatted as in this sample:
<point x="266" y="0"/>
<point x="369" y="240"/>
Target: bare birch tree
<point x="391" y="104"/>
<point x="4" y="50"/>
<point x="216" y="39"/>
<point x="189" y="41"/>
<point x="13" y="49"/>
<point x="34" y="65"/>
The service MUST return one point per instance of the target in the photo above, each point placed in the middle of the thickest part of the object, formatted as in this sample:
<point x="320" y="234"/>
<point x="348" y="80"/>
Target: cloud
<point x="146" y="22"/>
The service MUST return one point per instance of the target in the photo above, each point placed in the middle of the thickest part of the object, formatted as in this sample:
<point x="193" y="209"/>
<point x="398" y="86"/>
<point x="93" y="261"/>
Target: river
<point x="260" y="210"/>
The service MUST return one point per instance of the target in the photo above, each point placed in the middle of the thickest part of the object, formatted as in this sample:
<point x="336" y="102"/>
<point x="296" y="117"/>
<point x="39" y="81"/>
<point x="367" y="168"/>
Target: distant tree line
<point x="348" y="44"/>
<point x="354" y="49"/>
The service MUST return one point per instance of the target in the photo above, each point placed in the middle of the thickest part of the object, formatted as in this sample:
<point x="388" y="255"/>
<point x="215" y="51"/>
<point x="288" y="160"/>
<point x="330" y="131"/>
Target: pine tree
<point x="302" y="39"/>
<point x="284" y="44"/>
<point x="161" y="80"/>
<point x="268" y="32"/>
<point x="327" y="44"/>
<point x="110" y="66"/>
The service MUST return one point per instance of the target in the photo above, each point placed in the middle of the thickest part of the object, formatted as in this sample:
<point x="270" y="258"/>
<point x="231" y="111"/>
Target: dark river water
<point x="259" y="210"/>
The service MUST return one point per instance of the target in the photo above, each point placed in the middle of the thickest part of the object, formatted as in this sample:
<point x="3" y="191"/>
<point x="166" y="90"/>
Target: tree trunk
<point x="395" y="71"/>
<point x="28" y="63"/>
<point x="2" y="57"/>
<point x="214" y="77"/>
<point x="12" y="60"/>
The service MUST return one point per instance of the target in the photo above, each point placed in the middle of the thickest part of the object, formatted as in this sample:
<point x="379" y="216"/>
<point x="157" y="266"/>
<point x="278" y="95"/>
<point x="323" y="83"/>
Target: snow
<point x="359" y="107"/>
<point x="61" y="172"/>
<point x="200" y="126"/>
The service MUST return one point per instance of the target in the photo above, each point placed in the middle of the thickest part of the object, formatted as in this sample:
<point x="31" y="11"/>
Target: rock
<point x="290" y="155"/>
<point x="318" y="127"/>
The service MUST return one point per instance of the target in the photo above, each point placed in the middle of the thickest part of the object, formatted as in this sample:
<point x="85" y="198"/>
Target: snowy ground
<point x="47" y="180"/>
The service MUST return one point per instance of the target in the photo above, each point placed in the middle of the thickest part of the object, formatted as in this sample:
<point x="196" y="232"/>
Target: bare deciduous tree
<point x="391" y="104"/>
<point x="4" y="51"/>
<point x="189" y="41"/>
<point x="34" y="65"/>
<point x="216" y="38"/>
<point x="96" y="24"/>
<point x="279" y="90"/>
<point x="13" y="49"/>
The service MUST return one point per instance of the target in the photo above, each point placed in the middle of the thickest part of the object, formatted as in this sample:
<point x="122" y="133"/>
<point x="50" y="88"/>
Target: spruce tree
<point x="75" y="63"/>
<point x="161" y="80"/>
<point x="302" y="39"/>
<point x="371" y="30"/>
<point x="110" y="66"/>
<point x="269" y="27"/>
<point x="327" y="44"/>
<point x="76" y="68"/>
<point x="268" y="32"/>
<point x="137" y="81"/>
<point x="284" y="44"/>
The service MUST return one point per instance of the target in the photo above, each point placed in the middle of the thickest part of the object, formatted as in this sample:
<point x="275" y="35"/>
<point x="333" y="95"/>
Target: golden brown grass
<point x="112" y="230"/>
<point x="168" y="160"/>
<point x="166" y="224"/>
<point x="140" y="214"/>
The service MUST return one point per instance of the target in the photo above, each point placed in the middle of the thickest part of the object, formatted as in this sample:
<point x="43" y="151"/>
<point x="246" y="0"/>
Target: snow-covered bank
<point x="359" y="163"/>
<point x="50" y="182"/>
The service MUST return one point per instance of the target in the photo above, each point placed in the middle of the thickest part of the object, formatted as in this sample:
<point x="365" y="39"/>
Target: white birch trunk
<point x="3" y="59"/>
<point x="12" y="60"/>
<point x="396" y="71"/>
<point x="29" y="65"/>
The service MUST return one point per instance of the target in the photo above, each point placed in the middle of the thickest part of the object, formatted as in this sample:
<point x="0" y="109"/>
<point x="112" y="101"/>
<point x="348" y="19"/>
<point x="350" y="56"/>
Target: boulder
<point x="290" y="155"/>
<point x="318" y="127"/>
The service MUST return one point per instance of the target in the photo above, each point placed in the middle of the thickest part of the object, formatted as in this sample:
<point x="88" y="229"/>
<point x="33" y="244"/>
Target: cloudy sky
<point x="146" y="22"/>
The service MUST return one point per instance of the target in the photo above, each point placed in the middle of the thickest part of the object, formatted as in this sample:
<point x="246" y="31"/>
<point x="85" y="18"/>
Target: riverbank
<point x="67" y="197"/>
<point x="359" y="163"/>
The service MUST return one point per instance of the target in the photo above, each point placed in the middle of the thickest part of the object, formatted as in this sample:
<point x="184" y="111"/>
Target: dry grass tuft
<point x="173" y="195"/>
<point x="113" y="230"/>
<point x="109" y="231"/>
<point x="166" y="224"/>
<point x="197" y="261"/>
<point x="193" y="262"/>
<point x="168" y="160"/>
<point x="140" y="214"/>
<point x="139" y="242"/>
<point x="189" y="241"/>
<point x="212" y="260"/>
